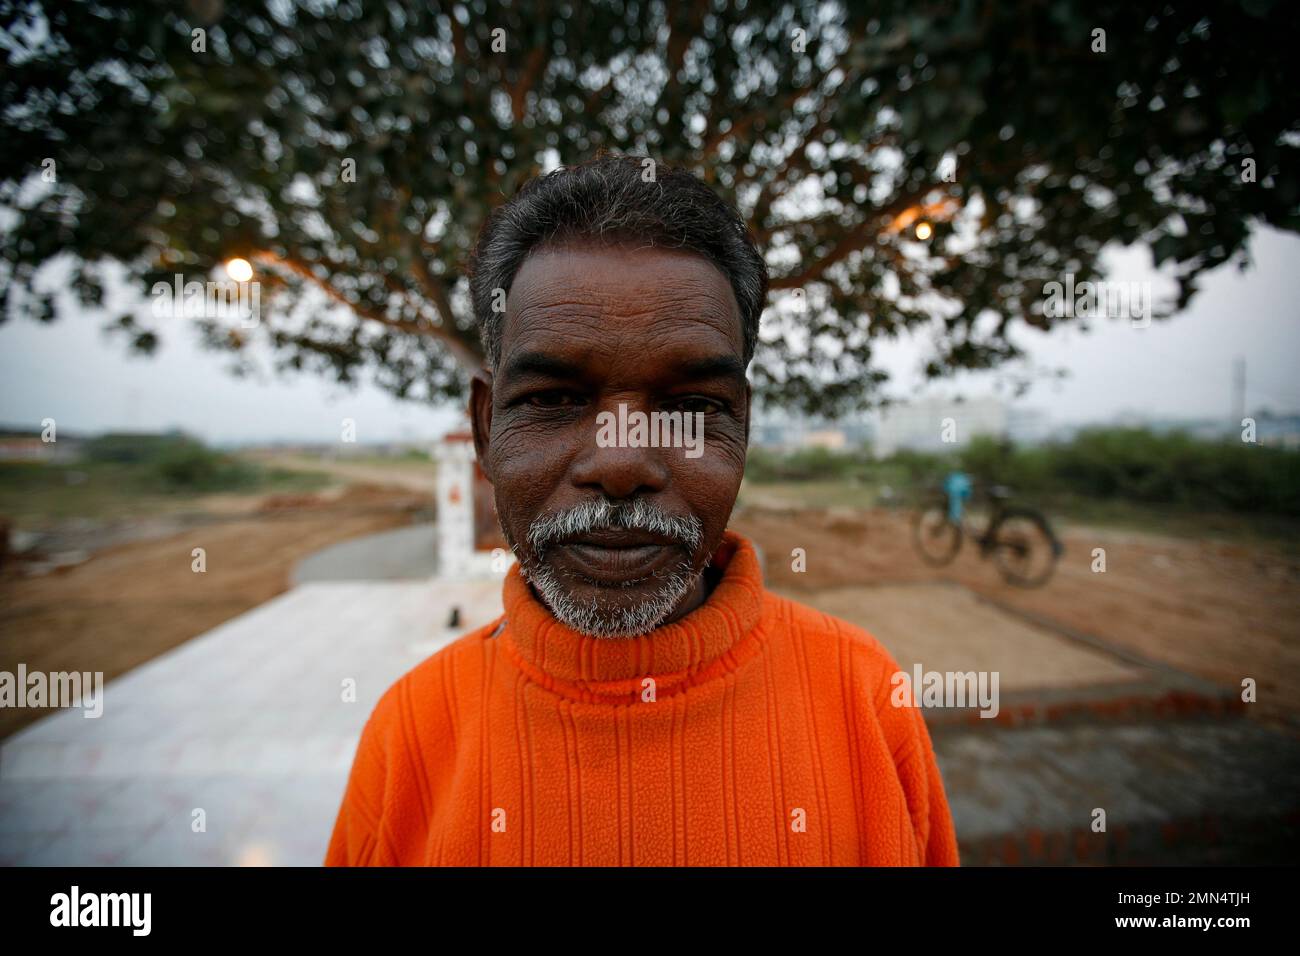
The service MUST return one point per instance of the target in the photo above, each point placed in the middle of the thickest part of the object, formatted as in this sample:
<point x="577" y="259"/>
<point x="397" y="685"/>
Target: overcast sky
<point x="70" y="372"/>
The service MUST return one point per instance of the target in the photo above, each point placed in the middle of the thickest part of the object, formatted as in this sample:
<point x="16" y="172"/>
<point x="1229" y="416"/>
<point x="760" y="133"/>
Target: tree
<point x="1019" y="138"/>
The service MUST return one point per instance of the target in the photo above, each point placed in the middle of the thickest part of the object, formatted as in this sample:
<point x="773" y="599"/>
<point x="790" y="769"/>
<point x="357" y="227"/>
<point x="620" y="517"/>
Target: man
<point x="643" y="700"/>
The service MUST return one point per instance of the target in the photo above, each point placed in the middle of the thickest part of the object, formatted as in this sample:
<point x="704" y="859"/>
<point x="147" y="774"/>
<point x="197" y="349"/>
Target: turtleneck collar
<point x="708" y="641"/>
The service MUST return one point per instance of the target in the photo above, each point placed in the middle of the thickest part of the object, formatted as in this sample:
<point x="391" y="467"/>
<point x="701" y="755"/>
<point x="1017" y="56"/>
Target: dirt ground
<point x="418" y="476"/>
<point x="1222" y="611"/>
<point x="134" y="600"/>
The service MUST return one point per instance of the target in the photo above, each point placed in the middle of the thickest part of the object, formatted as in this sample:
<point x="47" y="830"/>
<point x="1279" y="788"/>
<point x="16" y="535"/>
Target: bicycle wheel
<point x="1024" y="548"/>
<point x="937" y="539"/>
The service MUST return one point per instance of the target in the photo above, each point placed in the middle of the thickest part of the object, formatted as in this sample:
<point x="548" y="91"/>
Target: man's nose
<point x="619" y="470"/>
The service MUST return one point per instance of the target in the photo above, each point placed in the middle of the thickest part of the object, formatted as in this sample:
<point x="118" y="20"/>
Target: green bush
<point x="806" y="464"/>
<point x="170" y="461"/>
<point x="191" y="466"/>
<point x="130" y="448"/>
<point x="1104" y="464"/>
<point x="1177" y="469"/>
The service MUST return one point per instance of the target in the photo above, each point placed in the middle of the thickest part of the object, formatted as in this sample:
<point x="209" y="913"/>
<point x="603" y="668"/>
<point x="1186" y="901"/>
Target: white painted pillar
<point x="457" y="555"/>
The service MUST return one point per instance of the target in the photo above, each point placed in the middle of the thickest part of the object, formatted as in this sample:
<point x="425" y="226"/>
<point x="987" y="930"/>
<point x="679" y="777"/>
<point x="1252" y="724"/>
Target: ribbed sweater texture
<point x="755" y="731"/>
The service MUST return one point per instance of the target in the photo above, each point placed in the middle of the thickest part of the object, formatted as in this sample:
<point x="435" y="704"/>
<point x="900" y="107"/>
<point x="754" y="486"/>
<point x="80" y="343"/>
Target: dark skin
<point x="588" y="327"/>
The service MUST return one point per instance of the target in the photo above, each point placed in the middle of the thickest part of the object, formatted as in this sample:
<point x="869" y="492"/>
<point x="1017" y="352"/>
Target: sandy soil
<point x="1221" y="611"/>
<point x="1218" y="610"/>
<point x="132" y="601"/>
<point x="413" y="475"/>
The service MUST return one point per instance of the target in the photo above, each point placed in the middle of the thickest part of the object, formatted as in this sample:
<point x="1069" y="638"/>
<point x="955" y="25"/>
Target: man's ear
<point x="480" y="416"/>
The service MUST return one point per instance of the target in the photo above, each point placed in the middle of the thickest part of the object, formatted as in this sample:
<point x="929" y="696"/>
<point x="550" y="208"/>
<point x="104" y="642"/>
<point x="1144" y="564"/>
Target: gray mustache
<point x="600" y="515"/>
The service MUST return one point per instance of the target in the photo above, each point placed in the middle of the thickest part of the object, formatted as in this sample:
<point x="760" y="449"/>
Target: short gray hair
<point x="607" y="200"/>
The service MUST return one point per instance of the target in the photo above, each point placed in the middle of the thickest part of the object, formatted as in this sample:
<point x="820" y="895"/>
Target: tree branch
<point x="854" y="240"/>
<point x="463" y="354"/>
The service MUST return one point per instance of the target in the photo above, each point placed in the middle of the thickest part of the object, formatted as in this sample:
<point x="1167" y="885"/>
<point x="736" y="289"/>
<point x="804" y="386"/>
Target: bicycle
<point x="1019" y="539"/>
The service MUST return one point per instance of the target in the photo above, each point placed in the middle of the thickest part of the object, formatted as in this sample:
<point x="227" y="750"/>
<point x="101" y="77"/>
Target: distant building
<point x="938" y="424"/>
<point x="917" y="425"/>
<point x="1280" y="430"/>
<point x="1276" y="430"/>
<point x="832" y="439"/>
<point x="30" y="447"/>
<point x="779" y="431"/>
<point x="1028" y="426"/>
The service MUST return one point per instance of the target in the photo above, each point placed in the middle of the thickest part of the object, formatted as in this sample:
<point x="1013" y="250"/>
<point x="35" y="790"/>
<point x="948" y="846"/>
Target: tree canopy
<point x="904" y="164"/>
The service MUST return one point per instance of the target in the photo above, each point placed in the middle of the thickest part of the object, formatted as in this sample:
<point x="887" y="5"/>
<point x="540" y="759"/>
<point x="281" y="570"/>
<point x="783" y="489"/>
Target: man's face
<point x="614" y="538"/>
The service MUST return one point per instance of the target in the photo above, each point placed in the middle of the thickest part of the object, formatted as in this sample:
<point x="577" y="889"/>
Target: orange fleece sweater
<point x="754" y="731"/>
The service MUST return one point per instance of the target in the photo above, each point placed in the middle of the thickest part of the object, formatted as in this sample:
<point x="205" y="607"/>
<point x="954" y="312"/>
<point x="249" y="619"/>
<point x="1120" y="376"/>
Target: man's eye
<point x="693" y="405"/>
<point x="552" y="399"/>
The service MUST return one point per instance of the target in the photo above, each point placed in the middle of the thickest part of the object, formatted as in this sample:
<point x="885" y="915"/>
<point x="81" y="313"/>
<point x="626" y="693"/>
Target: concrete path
<point x="246" y="723"/>
<point x="405" y="554"/>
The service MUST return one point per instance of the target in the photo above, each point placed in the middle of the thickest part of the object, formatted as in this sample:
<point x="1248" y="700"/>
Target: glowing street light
<point x="924" y="216"/>
<point x="241" y="270"/>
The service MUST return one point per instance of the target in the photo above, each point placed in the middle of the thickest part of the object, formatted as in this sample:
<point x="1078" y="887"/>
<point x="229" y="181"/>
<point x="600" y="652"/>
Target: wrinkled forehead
<point x="620" y="306"/>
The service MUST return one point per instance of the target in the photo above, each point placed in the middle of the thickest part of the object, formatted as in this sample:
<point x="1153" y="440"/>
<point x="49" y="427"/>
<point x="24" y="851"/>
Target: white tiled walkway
<point x="246" y="722"/>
